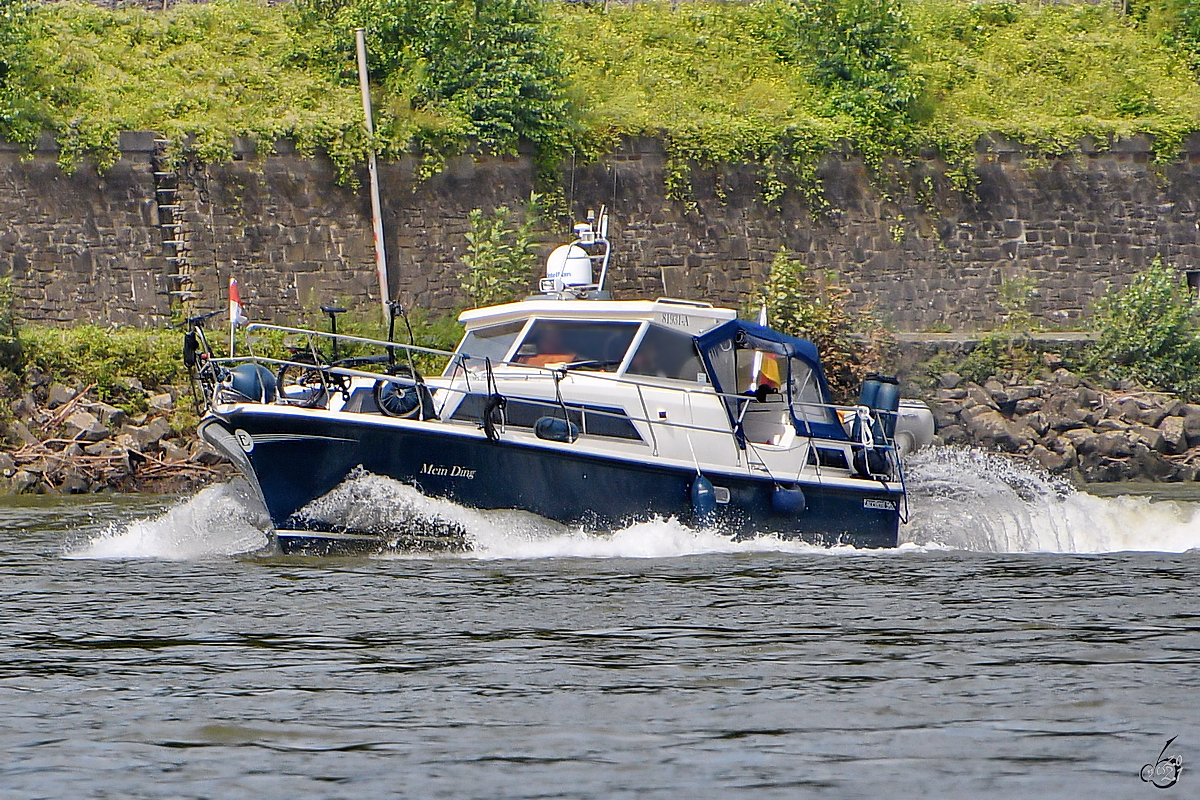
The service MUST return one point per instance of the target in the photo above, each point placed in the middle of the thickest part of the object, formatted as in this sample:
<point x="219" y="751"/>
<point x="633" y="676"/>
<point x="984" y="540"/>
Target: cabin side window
<point x="581" y="344"/>
<point x="666" y="353"/>
<point x="491" y="342"/>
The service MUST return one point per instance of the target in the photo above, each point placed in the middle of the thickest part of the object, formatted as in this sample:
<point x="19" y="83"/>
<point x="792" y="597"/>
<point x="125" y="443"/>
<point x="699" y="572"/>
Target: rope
<point x="495" y="409"/>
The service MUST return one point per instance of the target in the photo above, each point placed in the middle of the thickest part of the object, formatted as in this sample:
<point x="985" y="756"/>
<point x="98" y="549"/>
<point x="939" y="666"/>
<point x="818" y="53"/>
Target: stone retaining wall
<point x="88" y="246"/>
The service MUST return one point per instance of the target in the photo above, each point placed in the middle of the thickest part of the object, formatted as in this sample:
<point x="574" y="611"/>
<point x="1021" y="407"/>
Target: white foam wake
<point x="375" y="503"/>
<point x="973" y="500"/>
<point x="219" y="520"/>
<point x="959" y="499"/>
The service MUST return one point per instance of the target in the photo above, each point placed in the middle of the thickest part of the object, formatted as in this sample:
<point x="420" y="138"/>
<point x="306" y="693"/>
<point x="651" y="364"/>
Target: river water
<point x="1027" y="641"/>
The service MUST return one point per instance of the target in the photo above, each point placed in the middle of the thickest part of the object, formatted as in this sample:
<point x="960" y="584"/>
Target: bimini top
<point x="728" y="351"/>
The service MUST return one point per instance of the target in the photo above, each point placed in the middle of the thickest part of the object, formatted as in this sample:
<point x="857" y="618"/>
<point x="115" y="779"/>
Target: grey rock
<point x="943" y="416"/>
<point x="1113" y="444"/>
<point x="1038" y="422"/>
<point x="162" y="402"/>
<point x="1086" y="398"/>
<point x="20" y="434"/>
<point x="1148" y="464"/>
<point x="1173" y="434"/>
<point x="1081" y="439"/>
<point x="83" y="426"/>
<point x="203" y="453"/>
<point x="111" y="416"/>
<point x="1151" y="438"/>
<point x="37" y="379"/>
<point x="949" y="380"/>
<point x="128" y="441"/>
<point x="1019" y="393"/>
<point x="105" y="448"/>
<point x="7" y="465"/>
<point x="1052" y="361"/>
<point x="1063" y="423"/>
<point x="145" y="438"/>
<point x="1028" y="405"/>
<point x="991" y="428"/>
<point x="979" y="395"/>
<point x="1191" y="423"/>
<point x="952" y="394"/>
<point x="23" y="481"/>
<point x="1052" y="462"/>
<point x="1098" y="469"/>
<point x="24" y="407"/>
<point x="1066" y="378"/>
<point x="954" y="434"/>
<point x="58" y="395"/>
<point x="1152" y="416"/>
<point x="1111" y="424"/>
<point x="174" y="452"/>
<point x="75" y="482"/>
<point x="1131" y="410"/>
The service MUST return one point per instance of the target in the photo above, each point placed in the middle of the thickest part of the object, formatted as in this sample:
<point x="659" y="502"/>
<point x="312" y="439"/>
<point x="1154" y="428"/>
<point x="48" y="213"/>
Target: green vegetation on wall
<point x="778" y="82"/>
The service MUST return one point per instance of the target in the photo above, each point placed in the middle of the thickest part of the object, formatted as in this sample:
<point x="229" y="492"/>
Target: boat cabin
<point x="601" y="361"/>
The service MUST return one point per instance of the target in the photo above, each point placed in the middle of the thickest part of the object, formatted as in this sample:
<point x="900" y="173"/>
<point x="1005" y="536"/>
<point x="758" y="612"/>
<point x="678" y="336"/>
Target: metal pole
<point x="376" y="212"/>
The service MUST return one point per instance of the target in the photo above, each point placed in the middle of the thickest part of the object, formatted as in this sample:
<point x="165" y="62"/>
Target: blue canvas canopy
<point x="804" y="385"/>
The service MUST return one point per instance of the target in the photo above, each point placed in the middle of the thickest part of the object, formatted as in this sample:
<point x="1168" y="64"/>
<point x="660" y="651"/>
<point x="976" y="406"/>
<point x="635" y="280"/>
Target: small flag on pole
<point x="757" y="364"/>
<point x="236" y="317"/>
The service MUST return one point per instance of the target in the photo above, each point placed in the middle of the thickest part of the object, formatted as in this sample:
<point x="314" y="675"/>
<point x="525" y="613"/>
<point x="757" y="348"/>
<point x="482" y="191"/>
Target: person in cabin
<point x="548" y="349"/>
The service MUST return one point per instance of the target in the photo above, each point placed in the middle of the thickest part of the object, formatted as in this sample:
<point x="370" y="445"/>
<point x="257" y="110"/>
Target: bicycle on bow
<point x="311" y="376"/>
<point x="204" y="371"/>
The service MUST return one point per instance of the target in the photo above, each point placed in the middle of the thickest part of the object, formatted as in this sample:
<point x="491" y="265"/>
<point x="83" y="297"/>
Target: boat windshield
<point x="491" y="342"/>
<point x="585" y="344"/>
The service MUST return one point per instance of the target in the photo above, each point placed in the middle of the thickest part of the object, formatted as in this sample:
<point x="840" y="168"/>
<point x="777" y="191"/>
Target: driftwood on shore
<point x="66" y="441"/>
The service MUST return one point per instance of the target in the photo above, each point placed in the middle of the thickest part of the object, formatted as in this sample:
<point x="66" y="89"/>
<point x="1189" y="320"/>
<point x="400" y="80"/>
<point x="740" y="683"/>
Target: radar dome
<point x="570" y="264"/>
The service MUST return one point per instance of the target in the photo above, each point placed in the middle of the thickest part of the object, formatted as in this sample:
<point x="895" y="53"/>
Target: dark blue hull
<point x="296" y="458"/>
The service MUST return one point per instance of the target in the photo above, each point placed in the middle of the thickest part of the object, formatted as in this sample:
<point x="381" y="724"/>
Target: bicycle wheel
<point x="305" y="386"/>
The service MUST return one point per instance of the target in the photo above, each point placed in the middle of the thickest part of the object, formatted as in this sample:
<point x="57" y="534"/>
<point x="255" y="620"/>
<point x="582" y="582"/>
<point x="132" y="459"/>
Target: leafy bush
<point x="1000" y="356"/>
<point x="850" y="346"/>
<point x="11" y="352"/>
<point x="104" y="356"/>
<point x="500" y="255"/>
<point x="1148" y="333"/>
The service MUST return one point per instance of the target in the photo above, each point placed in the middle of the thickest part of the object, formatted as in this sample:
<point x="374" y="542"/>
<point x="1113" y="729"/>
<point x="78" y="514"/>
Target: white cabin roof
<point x="690" y="316"/>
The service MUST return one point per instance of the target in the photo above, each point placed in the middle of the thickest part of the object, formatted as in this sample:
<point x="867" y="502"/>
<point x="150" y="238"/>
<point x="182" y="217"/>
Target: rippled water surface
<point x="1019" y="646"/>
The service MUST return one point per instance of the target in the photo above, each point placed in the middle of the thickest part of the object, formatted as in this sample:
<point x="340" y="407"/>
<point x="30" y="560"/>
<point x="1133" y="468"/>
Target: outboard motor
<point x="880" y="394"/>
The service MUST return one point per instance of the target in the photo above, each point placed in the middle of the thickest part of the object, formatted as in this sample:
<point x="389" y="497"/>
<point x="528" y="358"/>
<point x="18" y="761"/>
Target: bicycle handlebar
<point x="192" y="322"/>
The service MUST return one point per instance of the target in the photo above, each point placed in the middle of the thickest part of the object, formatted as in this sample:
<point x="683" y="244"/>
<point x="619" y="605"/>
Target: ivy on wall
<point x="775" y="82"/>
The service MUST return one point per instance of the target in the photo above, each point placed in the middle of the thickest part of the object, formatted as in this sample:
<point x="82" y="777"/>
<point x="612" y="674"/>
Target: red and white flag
<point x="236" y="317"/>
